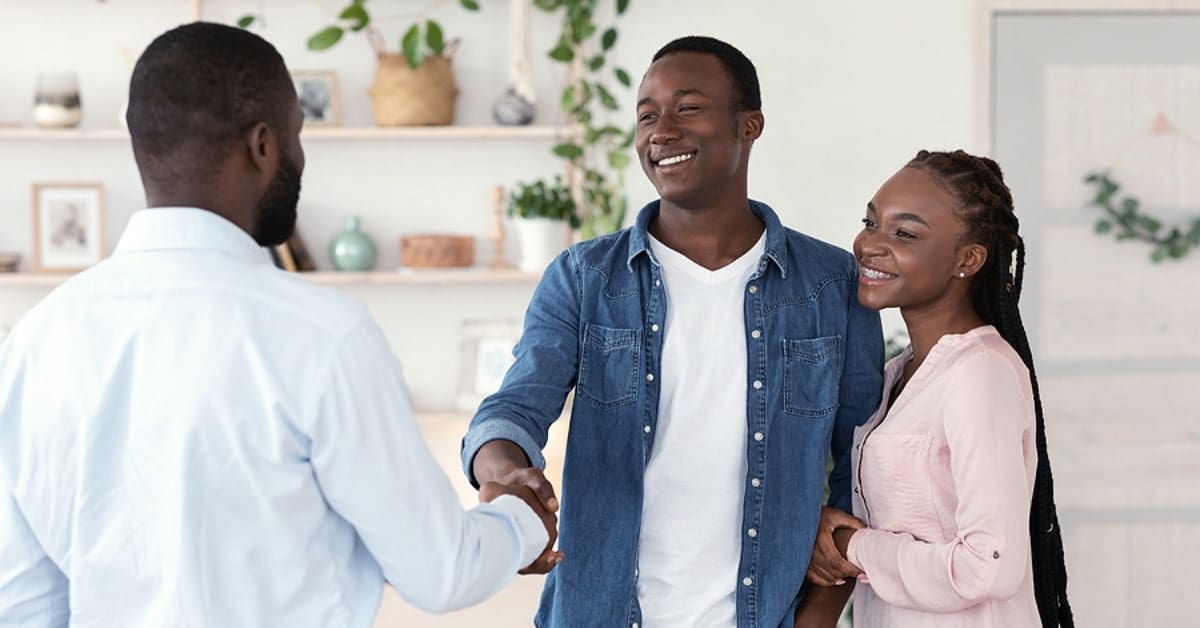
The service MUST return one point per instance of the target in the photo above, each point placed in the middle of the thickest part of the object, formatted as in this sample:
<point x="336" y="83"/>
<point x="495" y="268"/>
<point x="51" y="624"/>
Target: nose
<point x="870" y="244"/>
<point x="665" y="130"/>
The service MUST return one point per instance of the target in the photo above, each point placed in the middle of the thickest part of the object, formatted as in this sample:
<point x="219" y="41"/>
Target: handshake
<point x="531" y="485"/>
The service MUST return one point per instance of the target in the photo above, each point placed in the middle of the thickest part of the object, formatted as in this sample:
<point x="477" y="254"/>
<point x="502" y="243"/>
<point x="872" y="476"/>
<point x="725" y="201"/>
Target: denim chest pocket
<point x="609" y="365"/>
<point x="812" y="369"/>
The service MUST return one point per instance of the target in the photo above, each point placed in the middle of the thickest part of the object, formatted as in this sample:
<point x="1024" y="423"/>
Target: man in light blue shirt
<point x="191" y="437"/>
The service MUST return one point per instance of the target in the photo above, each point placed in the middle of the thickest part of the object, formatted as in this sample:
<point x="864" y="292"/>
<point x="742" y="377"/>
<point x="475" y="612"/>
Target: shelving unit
<point x="456" y="276"/>
<point x="320" y="133"/>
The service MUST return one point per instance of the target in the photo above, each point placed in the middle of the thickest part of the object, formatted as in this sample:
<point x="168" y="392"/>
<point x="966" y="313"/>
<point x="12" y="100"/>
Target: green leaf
<point x="562" y="52"/>
<point x="608" y="39"/>
<point x="245" y="21"/>
<point x="1129" y="205"/>
<point x="470" y="5"/>
<point x="583" y="29"/>
<point x="411" y="46"/>
<point x="596" y="62"/>
<point x="326" y="38"/>
<point x="1103" y="226"/>
<point x="357" y="14"/>
<point x="434" y="37"/>
<point x="1160" y="253"/>
<point x="623" y="77"/>
<point x="568" y="150"/>
<point x="618" y="160"/>
<point x="568" y="97"/>
<point x="622" y="5"/>
<point x="1150" y="224"/>
<point x="606" y="98"/>
<point x="547" y="5"/>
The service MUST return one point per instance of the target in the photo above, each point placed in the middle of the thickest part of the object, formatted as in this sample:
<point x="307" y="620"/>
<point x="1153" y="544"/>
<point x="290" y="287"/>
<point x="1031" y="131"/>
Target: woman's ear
<point x="971" y="259"/>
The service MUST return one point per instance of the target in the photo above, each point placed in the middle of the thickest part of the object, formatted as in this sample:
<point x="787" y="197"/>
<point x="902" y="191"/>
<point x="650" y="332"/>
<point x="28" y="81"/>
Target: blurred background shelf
<point x="319" y="133"/>
<point x="395" y="277"/>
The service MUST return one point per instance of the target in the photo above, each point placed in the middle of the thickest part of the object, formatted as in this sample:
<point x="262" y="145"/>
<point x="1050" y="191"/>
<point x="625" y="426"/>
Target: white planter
<point x="540" y="240"/>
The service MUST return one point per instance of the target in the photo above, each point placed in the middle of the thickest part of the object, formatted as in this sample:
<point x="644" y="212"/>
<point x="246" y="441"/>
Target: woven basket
<point x="437" y="251"/>
<point x="402" y="96"/>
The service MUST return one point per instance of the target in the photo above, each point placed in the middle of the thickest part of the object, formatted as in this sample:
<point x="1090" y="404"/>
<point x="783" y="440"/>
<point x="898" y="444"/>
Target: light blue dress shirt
<point x="191" y="437"/>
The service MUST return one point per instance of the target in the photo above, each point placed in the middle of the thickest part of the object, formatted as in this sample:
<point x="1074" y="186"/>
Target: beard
<point x="275" y="214"/>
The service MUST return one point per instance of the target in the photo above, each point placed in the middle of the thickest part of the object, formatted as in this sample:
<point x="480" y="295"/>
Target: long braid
<point x="987" y="206"/>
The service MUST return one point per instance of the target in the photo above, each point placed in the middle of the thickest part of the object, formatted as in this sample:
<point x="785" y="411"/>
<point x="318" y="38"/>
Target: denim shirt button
<point x="649" y="377"/>
<point x="657" y="283"/>
<point x="751" y="533"/>
<point x="757" y="385"/>
<point x="756" y="334"/>
<point x="646" y="429"/>
<point x="633" y="625"/>
<point x="654" y="327"/>
<point x="758" y="436"/>
<point x="753" y="289"/>
<point x="747" y="581"/>
<point x="755" y="482"/>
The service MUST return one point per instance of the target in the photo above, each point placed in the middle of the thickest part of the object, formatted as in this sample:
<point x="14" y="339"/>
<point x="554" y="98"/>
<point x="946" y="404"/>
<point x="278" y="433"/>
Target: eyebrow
<point x="900" y="216"/>
<point x="679" y="93"/>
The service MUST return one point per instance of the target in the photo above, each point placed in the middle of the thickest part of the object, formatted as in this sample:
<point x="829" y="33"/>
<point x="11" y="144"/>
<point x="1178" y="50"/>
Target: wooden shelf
<point x="320" y="133"/>
<point x="456" y="276"/>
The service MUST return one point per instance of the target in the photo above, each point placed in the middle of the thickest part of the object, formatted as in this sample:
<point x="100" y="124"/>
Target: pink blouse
<point x="944" y="479"/>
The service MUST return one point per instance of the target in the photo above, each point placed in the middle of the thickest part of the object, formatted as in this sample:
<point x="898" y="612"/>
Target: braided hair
<point x="986" y="207"/>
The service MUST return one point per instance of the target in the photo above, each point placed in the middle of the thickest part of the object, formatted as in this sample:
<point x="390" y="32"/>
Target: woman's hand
<point x="828" y="566"/>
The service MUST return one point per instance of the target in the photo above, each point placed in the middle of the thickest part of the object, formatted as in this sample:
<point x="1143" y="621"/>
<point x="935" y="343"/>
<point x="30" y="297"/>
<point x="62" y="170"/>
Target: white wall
<point x="849" y="93"/>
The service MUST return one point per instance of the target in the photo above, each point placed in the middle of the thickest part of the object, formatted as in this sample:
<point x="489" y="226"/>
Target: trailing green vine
<point x="601" y="153"/>
<point x="1125" y="219"/>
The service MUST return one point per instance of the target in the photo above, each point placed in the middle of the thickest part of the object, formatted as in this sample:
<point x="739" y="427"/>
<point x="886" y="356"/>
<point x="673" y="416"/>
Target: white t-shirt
<point x="691" y="538"/>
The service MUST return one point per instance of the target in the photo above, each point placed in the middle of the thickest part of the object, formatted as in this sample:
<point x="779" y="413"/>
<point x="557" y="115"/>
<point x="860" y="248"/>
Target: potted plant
<point x="414" y="86"/>
<point x="543" y="215"/>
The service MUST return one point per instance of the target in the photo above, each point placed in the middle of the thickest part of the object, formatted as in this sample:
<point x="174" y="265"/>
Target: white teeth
<point x="677" y="159"/>
<point x="870" y="273"/>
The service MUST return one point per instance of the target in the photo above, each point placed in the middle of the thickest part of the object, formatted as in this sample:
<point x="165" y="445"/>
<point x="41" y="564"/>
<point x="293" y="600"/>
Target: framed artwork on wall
<point x="485" y="355"/>
<point x="319" y="96"/>
<point x="68" y="226"/>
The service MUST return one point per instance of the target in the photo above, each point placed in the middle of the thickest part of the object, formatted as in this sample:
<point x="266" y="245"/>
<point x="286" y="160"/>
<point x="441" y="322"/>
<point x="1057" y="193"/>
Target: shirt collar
<point x="176" y="228"/>
<point x="776" y="250"/>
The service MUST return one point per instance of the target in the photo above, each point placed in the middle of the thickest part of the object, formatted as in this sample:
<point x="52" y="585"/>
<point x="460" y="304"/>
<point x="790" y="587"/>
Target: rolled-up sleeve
<point x="535" y="388"/>
<point x="988" y="421"/>
<point x="377" y="472"/>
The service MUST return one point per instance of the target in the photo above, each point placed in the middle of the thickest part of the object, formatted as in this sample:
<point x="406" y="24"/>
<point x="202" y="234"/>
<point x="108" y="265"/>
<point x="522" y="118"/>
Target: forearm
<point x="496" y="459"/>
<point x="822" y="607"/>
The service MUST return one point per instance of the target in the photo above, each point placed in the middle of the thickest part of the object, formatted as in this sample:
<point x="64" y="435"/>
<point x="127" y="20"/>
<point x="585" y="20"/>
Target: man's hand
<point x="829" y="566"/>
<point x="489" y="491"/>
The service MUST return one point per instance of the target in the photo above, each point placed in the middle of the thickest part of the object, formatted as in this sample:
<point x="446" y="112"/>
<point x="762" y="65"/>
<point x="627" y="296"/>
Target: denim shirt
<point x="814" y="362"/>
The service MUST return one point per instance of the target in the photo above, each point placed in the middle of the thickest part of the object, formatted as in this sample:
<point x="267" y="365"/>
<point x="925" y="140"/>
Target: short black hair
<point x="194" y="90"/>
<point x="741" y="71"/>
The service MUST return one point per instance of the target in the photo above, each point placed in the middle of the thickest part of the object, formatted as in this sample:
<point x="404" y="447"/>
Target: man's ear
<point x="262" y="145"/>
<point x="752" y="125"/>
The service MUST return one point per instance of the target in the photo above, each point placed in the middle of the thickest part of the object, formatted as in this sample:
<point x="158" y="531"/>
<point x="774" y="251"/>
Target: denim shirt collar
<point x="776" y="250"/>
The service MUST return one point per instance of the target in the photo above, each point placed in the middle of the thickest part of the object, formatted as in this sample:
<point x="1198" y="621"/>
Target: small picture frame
<point x="320" y="97"/>
<point x="485" y="356"/>
<point x="68" y="226"/>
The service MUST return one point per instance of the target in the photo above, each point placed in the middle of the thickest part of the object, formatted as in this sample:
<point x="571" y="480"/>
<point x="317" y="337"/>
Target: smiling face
<point x="692" y="141"/>
<point x="911" y="249"/>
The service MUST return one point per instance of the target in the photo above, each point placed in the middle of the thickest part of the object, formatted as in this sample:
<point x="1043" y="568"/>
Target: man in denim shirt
<point x="716" y="358"/>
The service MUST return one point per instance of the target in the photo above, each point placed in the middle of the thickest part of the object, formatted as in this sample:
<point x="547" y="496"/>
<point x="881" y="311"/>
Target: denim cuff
<point x="492" y="429"/>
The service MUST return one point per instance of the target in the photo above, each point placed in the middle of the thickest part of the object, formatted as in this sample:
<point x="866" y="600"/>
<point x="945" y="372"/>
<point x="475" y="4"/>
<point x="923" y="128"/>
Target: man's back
<point x="186" y="434"/>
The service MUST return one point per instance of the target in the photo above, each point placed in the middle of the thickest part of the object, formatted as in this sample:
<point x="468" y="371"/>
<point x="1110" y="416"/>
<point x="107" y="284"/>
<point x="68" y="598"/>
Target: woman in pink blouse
<point x="951" y="479"/>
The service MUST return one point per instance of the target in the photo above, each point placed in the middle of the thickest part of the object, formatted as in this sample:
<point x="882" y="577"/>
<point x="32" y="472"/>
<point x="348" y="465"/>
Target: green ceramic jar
<point x="352" y="250"/>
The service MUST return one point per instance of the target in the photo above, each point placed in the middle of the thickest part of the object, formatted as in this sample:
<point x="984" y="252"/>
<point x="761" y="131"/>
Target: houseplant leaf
<point x="434" y="37"/>
<point x="326" y="38"/>
<point x="410" y="45"/>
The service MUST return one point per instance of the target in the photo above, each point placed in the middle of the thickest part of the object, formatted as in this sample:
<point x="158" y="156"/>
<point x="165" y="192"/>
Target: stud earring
<point x="962" y="275"/>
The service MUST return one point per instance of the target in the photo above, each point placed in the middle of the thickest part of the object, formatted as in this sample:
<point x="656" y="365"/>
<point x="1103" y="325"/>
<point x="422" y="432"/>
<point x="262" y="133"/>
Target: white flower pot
<point x="540" y="240"/>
